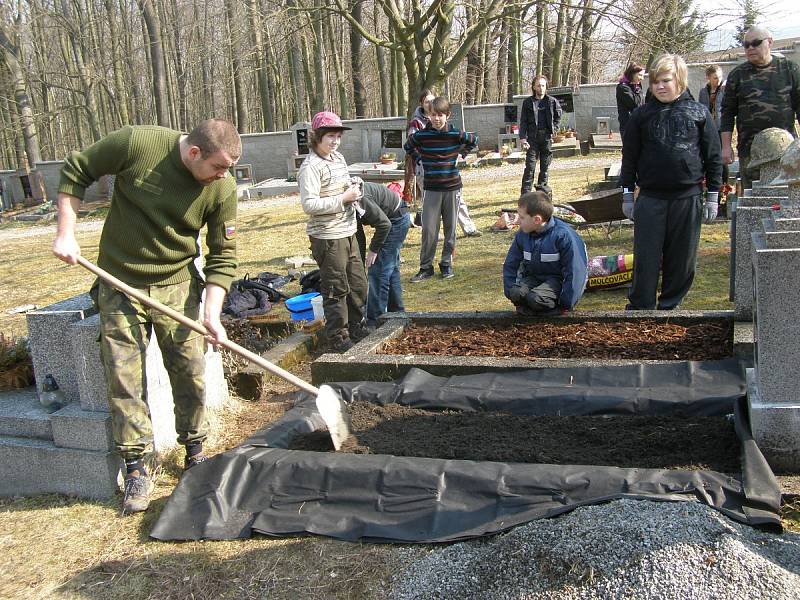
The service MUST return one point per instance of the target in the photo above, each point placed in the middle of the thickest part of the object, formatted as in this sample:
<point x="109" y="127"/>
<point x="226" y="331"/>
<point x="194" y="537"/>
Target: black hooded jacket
<point x="670" y="148"/>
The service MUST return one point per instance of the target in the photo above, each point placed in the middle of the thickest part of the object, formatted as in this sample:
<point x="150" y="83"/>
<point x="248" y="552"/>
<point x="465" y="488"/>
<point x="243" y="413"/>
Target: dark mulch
<point x="590" y="339"/>
<point x="248" y="335"/>
<point x="696" y="443"/>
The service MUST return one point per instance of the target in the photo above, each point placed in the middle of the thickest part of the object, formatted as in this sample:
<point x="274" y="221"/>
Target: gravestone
<point x="69" y="451"/>
<point x="773" y="385"/>
<point x="300" y="147"/>
<point x="456" y="115"/>
<point x="754" y="205"/>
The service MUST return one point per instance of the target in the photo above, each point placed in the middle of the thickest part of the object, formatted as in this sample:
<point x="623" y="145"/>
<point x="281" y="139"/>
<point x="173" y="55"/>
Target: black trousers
<point x="665" y="232"/>
<point x="541" y="149"/>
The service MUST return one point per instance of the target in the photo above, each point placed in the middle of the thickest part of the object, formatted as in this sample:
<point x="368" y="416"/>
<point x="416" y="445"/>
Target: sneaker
<point x="422" y="275"/>
<point x="137" y="493"/>
<point x="473" y="233"/>
<point x="191" y="461"/>
<point x="447" y="271"/>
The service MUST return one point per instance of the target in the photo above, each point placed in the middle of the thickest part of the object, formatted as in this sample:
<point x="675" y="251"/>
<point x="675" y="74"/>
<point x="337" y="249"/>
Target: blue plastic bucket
<point x="300" y="307"/>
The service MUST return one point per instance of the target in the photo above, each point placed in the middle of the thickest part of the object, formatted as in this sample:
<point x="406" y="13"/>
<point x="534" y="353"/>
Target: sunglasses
<point x="753" y="44"/>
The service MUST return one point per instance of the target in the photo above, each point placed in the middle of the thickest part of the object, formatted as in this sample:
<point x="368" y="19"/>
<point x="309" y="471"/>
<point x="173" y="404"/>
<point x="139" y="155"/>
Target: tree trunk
<point x="119" y="102"/>
<point x="181" y="74"/>
<point x="541" y="8"/>
<point x="319" y="87"/>
<point x="296" y="68"/>
<point x="586" y="42"/>
<point x="341" y="84"/>
<point x="359" y="93"/>
<point x="24" y="109"/>
<point x="502" y="62"/>
<point x="156" y="61"/>
<point x="267" y="119"/>
<point x="83" y="70"/>
<point x="242" y="118"/>
<point x="558" y="45"/>
<point x="383" y="73"/>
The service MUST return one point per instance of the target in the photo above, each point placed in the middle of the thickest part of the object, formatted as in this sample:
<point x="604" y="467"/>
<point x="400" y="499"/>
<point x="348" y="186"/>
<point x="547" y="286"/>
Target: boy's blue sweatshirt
<point x="438" y="150"/>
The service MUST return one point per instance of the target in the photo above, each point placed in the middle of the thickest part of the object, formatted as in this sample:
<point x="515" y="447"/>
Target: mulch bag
<point x="607" y="272"/>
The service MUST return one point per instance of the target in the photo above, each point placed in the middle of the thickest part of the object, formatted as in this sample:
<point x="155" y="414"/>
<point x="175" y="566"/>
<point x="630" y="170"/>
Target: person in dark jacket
<point x="711" y="96"/>
<point x="539" y="120"/>
<point x="384" y="210"/>
<point x="546" y="269"/>
<point x="630" y="95"/>
<point x="671" y="144"/>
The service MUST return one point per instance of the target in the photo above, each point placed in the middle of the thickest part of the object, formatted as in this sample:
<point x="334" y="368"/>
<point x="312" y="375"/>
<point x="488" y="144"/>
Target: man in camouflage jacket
<point x="762" y="92"/>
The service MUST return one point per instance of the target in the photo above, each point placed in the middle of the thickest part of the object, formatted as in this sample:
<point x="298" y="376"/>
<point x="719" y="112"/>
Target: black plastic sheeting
<point x="262" y="487"/>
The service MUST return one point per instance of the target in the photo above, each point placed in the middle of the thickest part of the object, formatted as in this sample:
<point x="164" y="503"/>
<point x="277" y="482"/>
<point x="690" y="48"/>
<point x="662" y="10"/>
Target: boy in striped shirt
<point x="438" y="147"/>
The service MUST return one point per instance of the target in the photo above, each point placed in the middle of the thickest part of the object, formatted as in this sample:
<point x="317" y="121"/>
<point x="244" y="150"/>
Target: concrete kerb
<point x="292" y="350"/>
<point x="364" y="363"/>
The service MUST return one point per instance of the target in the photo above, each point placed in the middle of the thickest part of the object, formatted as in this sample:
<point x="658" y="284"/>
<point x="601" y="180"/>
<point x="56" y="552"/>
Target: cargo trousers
<point x="126" y="326"/>
<point x="343" y="285"/>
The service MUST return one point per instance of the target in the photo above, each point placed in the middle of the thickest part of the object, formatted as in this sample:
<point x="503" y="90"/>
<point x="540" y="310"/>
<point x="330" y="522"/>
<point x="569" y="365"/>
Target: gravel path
<point x="623" y="549"/>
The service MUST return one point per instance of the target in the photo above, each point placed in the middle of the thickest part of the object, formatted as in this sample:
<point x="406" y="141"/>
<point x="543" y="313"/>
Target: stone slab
<point x="777" y="327"/>
<point x="783" y="224"/>
<point x="74" y="427"/>
<point x="748" y="221"/>
<point x="51" y="342"/>
<point x="29" y="467"/>
<point x="22" y="415"/>
<point x="364" y="363"/>
<point x="776" y="429"/>
<point x="269" y="188"/>
<point x="774" y="191"/>
<point x="285" y="354"/>
<point x="94" y="392"/>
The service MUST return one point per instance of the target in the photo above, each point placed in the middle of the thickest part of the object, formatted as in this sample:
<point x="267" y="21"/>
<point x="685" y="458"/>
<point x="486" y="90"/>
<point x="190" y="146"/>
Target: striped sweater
<point x="438" y="150"/>
<point x="322" y="182"/>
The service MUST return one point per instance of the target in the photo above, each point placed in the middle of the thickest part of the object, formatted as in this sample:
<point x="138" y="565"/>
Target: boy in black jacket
<point x="671" y="144"/>
<point x="384" y="210"/>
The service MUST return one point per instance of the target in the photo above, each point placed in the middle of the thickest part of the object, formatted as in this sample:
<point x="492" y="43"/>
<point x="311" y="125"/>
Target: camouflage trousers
<point x="126" y="326"/>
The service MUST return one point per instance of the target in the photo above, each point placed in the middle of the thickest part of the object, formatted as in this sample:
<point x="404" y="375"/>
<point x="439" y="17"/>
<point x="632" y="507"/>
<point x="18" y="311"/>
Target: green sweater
<point x="150" y="236"/>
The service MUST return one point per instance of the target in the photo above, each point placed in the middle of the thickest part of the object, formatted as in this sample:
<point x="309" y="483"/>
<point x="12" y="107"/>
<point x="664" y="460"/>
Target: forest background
<point x="73" y="70"/>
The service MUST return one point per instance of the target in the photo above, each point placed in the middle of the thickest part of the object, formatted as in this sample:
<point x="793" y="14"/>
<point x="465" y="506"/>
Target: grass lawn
<point x="53" y="546"/>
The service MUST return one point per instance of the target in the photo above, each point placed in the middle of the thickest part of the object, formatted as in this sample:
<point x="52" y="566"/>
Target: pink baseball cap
<point x="327" y="120"/>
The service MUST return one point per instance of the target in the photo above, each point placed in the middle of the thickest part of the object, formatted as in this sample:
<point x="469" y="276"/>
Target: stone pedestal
<point x="70" y="451"/>
<point x="773" y="385"/>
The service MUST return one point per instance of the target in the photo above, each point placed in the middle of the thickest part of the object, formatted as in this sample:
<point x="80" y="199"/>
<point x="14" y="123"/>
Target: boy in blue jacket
<point x="546" y="268"/>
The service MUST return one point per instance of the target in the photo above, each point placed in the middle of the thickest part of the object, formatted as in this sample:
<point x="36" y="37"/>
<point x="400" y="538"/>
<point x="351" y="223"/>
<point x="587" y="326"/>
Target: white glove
<point x="627" y="204"/>
<point x="711" y="208"/>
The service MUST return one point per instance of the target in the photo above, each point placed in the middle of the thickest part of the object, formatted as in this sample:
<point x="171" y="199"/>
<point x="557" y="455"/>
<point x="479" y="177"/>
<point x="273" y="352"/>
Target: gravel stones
<point x="623" y="549"/>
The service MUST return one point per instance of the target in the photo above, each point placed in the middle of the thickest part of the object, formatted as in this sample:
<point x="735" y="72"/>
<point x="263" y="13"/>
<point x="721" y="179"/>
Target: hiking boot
<point x="422" y="275"/>
<point x="340" y="345"/>
<point x="137" y="492"/>
<point x="447" y="271"/>
<point x="359" y="331"/>
<point x="473" y="233"/>
<point x="191" y="461"/>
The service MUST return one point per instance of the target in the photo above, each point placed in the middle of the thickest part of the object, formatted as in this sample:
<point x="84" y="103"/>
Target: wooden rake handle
<point x="198" y="327"/>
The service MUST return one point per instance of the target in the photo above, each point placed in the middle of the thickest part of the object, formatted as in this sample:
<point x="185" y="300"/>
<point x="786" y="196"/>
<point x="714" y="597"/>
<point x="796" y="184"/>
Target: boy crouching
<point x="546" y="269"/>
